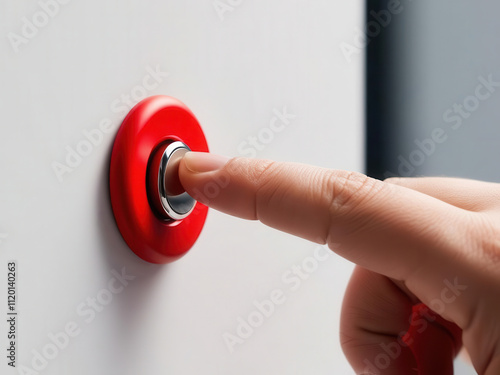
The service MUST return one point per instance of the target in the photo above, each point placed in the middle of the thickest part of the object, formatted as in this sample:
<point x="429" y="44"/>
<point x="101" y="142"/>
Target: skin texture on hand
<point x="417" y="242"/>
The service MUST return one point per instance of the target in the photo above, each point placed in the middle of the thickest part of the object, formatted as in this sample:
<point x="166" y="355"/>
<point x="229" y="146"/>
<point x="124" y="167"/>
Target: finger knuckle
<point x="349" y="190"/>
<point x="486" y="235"/>
<point x="264" y="177"/>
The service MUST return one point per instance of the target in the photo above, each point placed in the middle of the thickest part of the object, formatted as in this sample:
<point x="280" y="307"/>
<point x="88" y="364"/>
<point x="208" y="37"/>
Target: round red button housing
<point x="149" y="126"/>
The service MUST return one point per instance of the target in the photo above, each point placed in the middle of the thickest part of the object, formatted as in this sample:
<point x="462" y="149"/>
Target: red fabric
<point x="434" y="341"/>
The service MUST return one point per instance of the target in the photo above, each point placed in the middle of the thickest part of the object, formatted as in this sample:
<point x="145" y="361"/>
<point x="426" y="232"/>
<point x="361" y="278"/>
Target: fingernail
<point x="200" y="162"/>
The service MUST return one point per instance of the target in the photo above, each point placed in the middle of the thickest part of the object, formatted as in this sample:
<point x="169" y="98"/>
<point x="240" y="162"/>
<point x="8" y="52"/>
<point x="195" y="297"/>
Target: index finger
<point x="386" y="228"/>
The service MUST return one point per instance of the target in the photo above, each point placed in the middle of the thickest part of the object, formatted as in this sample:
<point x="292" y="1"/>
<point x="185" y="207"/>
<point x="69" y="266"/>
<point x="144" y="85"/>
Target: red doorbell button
<point x="157" y="220"/>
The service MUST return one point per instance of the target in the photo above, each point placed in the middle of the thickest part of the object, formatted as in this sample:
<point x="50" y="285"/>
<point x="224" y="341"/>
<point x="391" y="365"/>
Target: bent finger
<point x="383" y="333"/>
<point x="374" y="321"/>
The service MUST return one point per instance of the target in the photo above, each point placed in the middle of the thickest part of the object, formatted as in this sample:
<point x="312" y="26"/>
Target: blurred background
<point x="423" y="73"/>
<point x="433" y="95"/>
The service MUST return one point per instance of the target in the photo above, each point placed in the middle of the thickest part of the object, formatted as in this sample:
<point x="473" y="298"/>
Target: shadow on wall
<point x="133" y="302"/>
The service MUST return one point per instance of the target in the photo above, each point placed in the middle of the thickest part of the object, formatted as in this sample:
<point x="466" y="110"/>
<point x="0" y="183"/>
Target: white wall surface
<point x="65" y="78"/>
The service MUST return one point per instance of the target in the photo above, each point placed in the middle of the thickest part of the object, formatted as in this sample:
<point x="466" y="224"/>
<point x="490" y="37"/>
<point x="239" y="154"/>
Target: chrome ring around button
<point x="176" y="206"/>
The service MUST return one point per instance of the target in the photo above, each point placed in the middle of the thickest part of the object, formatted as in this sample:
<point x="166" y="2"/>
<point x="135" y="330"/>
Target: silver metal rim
<point x="176" y="207"/>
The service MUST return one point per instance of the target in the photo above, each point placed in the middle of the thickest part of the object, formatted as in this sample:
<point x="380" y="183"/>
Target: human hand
<point x="432" y="241"/>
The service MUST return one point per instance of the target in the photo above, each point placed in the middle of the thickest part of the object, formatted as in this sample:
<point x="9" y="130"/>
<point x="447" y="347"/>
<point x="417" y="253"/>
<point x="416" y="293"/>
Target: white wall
<point x="72" y="74"/>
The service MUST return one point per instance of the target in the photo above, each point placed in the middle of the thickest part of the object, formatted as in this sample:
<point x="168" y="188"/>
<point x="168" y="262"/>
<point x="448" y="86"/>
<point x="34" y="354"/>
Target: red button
<point x="149" y="126"/>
